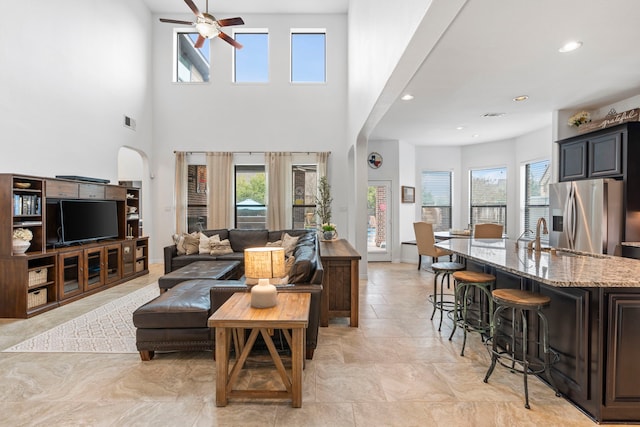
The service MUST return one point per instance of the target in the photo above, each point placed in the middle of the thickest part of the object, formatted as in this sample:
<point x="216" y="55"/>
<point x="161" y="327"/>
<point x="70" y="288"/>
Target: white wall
<point x="276" y="116"/>
<point x="71" y="70"/>
<point x="512" y="154"/>
<point x="406" y="211"/>
<point x="130" y="165"/>
<point x="381" y="63"/>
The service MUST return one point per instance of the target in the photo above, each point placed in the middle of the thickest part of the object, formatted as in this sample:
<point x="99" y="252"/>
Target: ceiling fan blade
<point x="230" y="21"/>
<point x="230" y="40"/>
<point x="193" y="7"/>
<point x="174" y="21"/>
<point x="198" y="44"/>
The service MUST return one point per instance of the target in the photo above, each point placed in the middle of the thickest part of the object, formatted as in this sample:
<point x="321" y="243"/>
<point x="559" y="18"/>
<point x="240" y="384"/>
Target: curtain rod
<point x="252" y="152"/>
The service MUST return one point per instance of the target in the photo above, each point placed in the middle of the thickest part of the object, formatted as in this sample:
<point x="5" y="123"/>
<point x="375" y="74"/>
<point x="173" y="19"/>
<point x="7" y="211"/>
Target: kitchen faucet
<point x="521" y="236"/>
<point x="536" y="242"/>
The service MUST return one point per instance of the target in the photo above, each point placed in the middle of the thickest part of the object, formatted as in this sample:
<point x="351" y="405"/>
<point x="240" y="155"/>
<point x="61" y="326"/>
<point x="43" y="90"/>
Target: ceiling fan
<point x="207" y="25"/>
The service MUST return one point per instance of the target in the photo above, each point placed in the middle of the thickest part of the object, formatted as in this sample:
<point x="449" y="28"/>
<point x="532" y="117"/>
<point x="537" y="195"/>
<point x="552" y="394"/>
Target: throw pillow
<point x="178" y="239"/>
<point x="205" y="243"/>
<point x="191" y="244"/>
<point x="289" y="244"/>
<point x="222" y="247"/>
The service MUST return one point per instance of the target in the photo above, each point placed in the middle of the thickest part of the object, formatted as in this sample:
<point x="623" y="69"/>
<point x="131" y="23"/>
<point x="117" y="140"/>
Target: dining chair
<point x="488" y="231"/>
<point x="426" y="242"/>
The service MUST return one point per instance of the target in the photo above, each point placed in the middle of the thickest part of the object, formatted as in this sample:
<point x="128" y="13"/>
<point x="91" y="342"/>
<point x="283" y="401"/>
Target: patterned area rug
<point x="107" y="329"/>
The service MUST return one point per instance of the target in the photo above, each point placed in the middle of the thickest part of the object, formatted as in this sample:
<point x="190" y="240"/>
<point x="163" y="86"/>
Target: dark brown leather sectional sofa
<point x="177" y="319"/>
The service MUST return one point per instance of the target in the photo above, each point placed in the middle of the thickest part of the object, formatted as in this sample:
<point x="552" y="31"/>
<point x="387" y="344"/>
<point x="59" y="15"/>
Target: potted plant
<point x="323" y="209"/>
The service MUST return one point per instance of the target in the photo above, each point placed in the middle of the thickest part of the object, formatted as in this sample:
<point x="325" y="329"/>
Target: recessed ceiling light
<point x="521" y="98"/>
<point x="570" y="46"/>
<point x="475" y="135"/>
<point x="407" y="97"/>
<point x="493" y="114"/>
<point x="460" y="128"/>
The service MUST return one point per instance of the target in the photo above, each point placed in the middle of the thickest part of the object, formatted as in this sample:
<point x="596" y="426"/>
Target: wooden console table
<point x="340" y="282"/>
<point x="291" y="312"/>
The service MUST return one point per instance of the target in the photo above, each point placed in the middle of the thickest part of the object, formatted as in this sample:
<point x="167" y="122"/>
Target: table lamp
<point x="264" y="264"/>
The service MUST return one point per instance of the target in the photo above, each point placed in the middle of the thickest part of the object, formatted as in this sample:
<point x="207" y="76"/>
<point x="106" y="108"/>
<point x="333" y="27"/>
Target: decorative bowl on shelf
<point x="20" y="246"/>
<point x="22" y="185"/>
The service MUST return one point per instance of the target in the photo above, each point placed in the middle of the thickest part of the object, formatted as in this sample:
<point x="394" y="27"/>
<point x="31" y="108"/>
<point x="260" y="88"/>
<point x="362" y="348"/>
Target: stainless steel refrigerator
<point x="586" y="215"/>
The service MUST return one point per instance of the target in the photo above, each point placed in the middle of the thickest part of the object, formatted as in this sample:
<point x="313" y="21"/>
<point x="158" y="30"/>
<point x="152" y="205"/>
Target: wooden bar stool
<point x="465" y="281"/>
<point x="444" y="269"/>
<point x="515" y="348"/>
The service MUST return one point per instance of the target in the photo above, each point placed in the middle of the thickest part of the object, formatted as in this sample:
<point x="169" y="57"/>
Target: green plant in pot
<point x="323" y="209"/>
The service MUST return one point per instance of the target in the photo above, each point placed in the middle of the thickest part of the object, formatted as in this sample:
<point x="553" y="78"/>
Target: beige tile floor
<point x="396" y="369"/>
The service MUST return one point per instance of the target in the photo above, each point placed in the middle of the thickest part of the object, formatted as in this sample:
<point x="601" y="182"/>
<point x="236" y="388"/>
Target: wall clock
<point x="374" y="160"/>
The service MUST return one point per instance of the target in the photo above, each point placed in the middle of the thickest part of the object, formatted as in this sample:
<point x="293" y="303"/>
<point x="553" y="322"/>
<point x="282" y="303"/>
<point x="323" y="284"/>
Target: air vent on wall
<point x="493" y="114"/>
<point x="129" y="123"/>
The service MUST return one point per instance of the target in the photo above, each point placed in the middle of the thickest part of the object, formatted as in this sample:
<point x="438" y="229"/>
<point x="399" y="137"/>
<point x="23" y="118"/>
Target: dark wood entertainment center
<point x="47" y="276"/>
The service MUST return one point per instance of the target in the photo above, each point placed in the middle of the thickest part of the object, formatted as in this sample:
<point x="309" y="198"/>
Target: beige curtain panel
<point x="219" y="183"/>
<point x="180" y="192"/>
<point x="278" y="171"/>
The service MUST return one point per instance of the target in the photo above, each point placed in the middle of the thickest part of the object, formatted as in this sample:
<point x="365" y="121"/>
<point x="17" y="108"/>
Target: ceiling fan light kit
<point x="207" y="28"/>
<point x="207" y="25"/>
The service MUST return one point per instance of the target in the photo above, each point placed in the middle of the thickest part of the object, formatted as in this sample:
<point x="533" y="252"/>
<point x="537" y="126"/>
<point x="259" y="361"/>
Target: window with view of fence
<point x="489" y="196"/>
<point x="251" y="190"/>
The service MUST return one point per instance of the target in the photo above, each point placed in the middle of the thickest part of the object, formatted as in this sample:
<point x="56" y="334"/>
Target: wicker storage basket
<point x="36" y="298"/>
<point x="37" y="277"/>
<point x="139" y="252"/>
<point x="139" y="265"/>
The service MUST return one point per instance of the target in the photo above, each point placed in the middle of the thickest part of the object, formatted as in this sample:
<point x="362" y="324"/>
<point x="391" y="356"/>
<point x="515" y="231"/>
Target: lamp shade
<point x="264" y="263"/>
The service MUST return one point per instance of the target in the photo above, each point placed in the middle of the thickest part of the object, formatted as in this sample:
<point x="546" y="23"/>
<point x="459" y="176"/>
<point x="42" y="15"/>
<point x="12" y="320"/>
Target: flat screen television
<point x="84" y="220"/>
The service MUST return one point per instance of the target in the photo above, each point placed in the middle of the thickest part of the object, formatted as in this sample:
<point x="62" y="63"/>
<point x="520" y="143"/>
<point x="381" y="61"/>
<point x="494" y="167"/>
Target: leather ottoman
<point x="216" y="270"/>
<point x="177" y="320"/>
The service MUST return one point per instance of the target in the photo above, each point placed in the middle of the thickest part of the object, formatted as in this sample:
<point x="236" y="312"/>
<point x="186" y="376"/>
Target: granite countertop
<point x="632" y="244"/>
<point x="566" y="268"/>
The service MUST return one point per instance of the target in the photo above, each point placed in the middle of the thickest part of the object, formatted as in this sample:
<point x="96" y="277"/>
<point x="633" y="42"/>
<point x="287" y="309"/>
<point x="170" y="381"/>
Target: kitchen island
<point x="594" y="318"/>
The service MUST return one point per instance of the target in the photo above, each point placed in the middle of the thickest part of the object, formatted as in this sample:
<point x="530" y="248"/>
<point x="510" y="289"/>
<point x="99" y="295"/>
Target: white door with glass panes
<point x="379" y="221"/>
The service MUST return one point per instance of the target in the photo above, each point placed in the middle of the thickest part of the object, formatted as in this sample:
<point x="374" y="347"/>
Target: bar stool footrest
<point x="507" y="359"/>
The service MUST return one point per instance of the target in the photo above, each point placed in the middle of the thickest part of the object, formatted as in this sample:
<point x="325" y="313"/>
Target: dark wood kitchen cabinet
<point x="605" y="155"/>
<point x="594" y="330"/>
<point x="573" y="160"/>
<point x="614" y="153"/>
<point x="597" y="154"/>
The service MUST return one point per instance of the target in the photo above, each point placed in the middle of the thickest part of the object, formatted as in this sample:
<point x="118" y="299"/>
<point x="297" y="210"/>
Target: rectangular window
<point x="308" y="56"/>
<point x="250" y="208"/>
<point x="192" y="64"/>
<point x="536" y="203"/>
<point x="436" y="199"/>
<point x="489" y="196"/>
<point x="305" y="187"/>
<point x="196" y="197"/>
<point x="251" y="63"/>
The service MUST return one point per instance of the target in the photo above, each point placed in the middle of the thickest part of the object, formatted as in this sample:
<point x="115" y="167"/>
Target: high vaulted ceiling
<point x="492" y="52"/>
<point x="221" y="7"/>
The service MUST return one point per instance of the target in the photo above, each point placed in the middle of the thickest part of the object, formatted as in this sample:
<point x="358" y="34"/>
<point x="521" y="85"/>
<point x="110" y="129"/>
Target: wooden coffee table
<point x="291" y="312"/>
